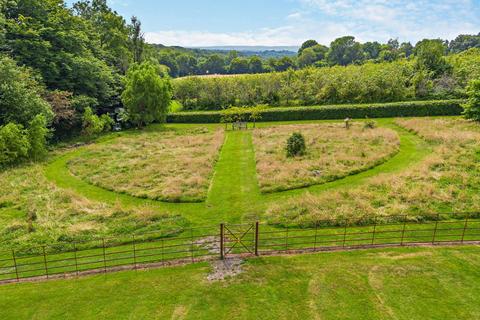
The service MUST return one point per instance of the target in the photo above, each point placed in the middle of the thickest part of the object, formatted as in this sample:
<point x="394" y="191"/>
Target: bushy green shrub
<point x="472" y="107"/>
<point x="37" y="136"/>
<point x="361" y="111"/>
<point x="107" y="122"/>
<point x="370" y="124"/>
<point x="91" y="123"/>
<point x="296" y="145"/>
<point x="14" y="144"/>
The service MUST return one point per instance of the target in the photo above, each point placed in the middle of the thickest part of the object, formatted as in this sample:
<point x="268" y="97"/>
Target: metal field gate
<point x="238" y="239"/>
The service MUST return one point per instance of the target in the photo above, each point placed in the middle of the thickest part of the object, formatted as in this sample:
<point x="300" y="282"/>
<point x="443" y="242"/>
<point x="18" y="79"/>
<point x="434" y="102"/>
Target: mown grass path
<point x="396" y="283"/>
<point x="234" y="195"/>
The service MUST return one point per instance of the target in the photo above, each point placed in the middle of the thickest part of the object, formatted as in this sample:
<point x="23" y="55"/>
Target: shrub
<point x="14" y="144"/>
<point x="296" y="145"/>
<point x="370" y="124"/>
<point x="472" y="107"/>
<point x="37" y="136"/>
<point x="91" y="123"/>
<point x="359" y="111"/>
<point x="107" y="122"/>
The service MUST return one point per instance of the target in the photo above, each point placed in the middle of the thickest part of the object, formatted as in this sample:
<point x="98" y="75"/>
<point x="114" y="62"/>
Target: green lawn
<point x="401" y="283"/>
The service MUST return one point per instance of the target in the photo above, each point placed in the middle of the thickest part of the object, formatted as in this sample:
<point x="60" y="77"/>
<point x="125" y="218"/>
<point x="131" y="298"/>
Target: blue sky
<point x="290" y="22"/>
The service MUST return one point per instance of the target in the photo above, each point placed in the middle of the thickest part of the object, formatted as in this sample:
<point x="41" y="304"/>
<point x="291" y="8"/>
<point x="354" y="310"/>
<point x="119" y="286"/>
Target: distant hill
<point x="251" y="48"/>
<point x="264" y="52"/>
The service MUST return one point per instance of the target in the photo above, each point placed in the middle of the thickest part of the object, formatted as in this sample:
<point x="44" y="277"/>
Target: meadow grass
<point x="233" y="196"/>
<point x="168" y="165"/>
<point x="333" y="152"/>
<point x="399" y="283"/>
<point x="447" y="181"/>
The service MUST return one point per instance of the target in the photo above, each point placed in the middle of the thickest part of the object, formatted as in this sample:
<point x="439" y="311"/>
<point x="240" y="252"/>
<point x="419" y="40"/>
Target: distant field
<point x="402" y="283"/>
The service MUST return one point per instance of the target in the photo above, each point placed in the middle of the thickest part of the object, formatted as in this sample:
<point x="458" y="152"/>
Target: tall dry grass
<point x="33" y="212"/>
<point x="168" y="165"/>
<point x="332" y="152"/>
<point x="447" y="181"/>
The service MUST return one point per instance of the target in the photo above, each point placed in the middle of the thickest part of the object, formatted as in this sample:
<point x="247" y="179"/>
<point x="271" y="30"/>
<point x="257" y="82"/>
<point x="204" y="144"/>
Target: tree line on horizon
<point x="342" y="51"/>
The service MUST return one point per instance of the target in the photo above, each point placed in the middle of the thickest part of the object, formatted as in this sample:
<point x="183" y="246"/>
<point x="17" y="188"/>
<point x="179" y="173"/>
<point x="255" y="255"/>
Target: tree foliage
<point x="147" y="94"/>
<point x="296" y="145"/>
<point x="472" y="107"/>
<point x="20" y="95"/>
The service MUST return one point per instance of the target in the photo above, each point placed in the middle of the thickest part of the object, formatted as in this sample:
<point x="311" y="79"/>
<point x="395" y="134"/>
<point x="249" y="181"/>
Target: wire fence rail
<point x="222" y="241"/>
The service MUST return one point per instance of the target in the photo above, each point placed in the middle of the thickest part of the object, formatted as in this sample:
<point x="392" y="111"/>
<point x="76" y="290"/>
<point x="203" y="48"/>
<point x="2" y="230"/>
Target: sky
<point x="200" y="23"/>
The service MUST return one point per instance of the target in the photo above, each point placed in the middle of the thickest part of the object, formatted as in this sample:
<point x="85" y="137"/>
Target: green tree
<point x="307" y="44"/>
<point x="168" y="59"/>
<point x="20" y="95"/>
<point x="239" y="66"/>
<point x="147" y="95"/>
<point x="214" y="64"/>
<point x="137" y="39"/>
<point x="406" y="49"/>
<point x="37" y="137"/>
<point x="430" y="56"/>
<point x="311" y="55"/>
<point x="14" y="145"/>
<point x="187" y="65"/>
<point x="344" y="51"/>
<point x="284" y="63"/>
<point x="472" y="107"/>
<point x="66" y="49"/>
<point x="464" y="42"/>
<point x="255" y="65"/>
<point x="371" y="50"/>
<point x="112" y="30"/>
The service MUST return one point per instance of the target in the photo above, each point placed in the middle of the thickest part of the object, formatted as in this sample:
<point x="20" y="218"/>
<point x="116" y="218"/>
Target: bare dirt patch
<point x="224" y="269"/>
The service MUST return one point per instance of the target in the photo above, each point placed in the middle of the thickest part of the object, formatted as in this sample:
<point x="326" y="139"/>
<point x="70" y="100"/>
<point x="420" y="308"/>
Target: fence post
<point x="15" y="265"/>
<point x="257" y="225"/>
<point x="191" y="244"/>
<point x="104" y="257"/>
<point x="75" y="257"/>
<point x="222" y="235"/>
<point x="286" y="239"/>
<point x="403" y="230"/>
<point x="134" y="253"/>
<point x="435" y="230"/>
<point x="374" y="230"/>
<point x="45" y="261"/>
<point x="163" y="251"/>
<point x="345" y="233"/>
<point x="465" y="228"/>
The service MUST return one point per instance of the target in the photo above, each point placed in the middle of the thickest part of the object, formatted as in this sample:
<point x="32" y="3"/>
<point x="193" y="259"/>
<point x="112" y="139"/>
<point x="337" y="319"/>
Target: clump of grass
<point x="173" y="166"/>
<point x="333" y="153"/>
<point x="446" y="181"/>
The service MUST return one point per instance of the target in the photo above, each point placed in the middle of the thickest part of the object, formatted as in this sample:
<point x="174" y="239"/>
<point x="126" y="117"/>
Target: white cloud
<point x="325" y="20"/>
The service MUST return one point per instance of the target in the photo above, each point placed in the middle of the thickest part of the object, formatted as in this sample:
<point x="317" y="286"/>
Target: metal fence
<point x="222" y="241"/>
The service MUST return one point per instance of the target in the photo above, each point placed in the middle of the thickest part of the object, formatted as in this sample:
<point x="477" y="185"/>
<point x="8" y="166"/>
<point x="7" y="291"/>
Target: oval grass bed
<point x="171" y="165"/>
<point x="333" y="152"/>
